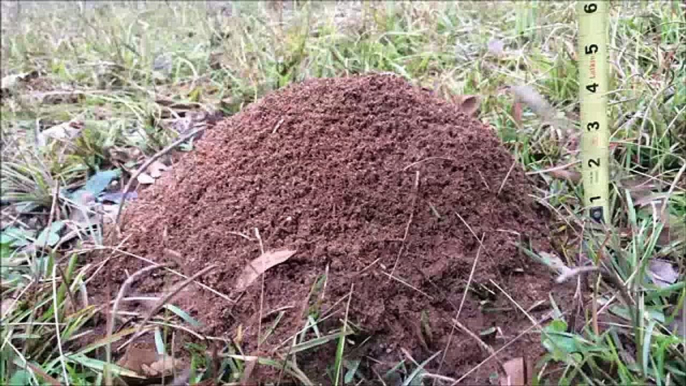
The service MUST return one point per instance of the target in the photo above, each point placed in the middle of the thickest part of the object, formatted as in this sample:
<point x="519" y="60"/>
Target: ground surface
<point x="338" y="170"/>
<point x="92" y="91"/>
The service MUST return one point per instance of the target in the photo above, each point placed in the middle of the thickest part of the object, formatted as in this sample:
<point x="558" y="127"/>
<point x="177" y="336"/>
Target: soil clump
<point x="387" y="194"/>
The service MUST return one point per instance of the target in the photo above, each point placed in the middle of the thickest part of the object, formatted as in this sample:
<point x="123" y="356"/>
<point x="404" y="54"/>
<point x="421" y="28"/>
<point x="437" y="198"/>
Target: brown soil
<point x="329" y="168"/>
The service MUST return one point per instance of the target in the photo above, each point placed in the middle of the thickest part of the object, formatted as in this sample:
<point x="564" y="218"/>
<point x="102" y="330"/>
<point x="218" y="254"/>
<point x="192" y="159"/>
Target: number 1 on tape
<point x="593" y="88"/>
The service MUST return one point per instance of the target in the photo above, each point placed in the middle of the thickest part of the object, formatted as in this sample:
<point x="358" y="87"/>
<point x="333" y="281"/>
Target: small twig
<point x="403" y="282"/>
<point x="502" y="185"/>
<point x="259" y="321"/>
<point x="409" y="221"/>
<point x="459" y="310"/>
<point x="478" y="340"/>
<point x="149" y="162"/>
<point x="471" y="276"/>
<point x="276" y="127"/>
<point x="479" y="240"/>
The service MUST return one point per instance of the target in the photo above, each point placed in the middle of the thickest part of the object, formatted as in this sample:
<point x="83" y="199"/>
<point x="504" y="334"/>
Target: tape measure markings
<point x="593" y="87"/>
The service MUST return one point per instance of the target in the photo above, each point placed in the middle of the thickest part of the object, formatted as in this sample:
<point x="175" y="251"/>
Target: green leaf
<point x="5" y="251"/>
<point x="416" y="376"/>
<point x="183" y="315"/>
<point x="352" y="369"/>
<point x="312" y="343"/>
<point x="98" y="183"/>
<point x="100" y="366"/>
<point x="559" y="343"/>
<point x="16" y="237"/>
<point x="51" y="235"/>
<point x="21" y="377"/>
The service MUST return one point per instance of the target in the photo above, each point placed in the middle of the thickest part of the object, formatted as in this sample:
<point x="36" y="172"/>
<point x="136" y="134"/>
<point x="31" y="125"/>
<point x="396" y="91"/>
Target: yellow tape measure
<point x="593" y="88"/>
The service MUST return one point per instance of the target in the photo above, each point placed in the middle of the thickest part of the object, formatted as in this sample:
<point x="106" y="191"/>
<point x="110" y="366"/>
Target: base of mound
<point x="407" y="219"/>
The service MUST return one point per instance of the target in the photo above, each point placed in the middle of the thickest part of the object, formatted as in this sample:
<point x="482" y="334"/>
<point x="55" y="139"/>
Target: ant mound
<point x="366" y="204"/>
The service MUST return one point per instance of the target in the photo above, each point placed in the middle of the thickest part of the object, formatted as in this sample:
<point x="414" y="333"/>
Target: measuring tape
<point x="593" y="87"/>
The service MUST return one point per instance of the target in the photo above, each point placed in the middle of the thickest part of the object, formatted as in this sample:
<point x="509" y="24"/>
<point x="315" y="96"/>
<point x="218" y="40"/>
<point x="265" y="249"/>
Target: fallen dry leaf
<point x="258" y="266"/>
<point x="6" y="307"/>
<point x="662" y="272"/>
<point x="62" y="132"/>
<point x="124" y="155"/>
<point x="135" y="357"/>
<point x="469" y="104"/>
<point x="156" y="168"/>
<point x="147" y="362"/>
<point x="517" y="113"/>
<point x="564" y="174"/>
<point x="164" y="365"/>
<point x="516" y="373"/>
<point x="496" y="47"/>
<point x="145" y="179"/>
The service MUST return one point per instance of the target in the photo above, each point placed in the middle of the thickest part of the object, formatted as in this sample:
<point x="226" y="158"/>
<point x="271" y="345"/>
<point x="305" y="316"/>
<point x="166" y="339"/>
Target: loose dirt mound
<point x="383" y="190"/>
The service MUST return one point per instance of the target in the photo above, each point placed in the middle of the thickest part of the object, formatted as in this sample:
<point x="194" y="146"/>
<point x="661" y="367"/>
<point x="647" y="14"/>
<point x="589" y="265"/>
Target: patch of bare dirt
<point x="379" y="186"/>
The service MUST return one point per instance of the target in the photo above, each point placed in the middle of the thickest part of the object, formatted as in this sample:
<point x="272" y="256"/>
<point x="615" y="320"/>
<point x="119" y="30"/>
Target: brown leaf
<point x="145" y="179"/>
<point x="643" y="198"/>
<point x="6" y="307"/>
<point x="673" y="229"/>
<point x="662" y="272"/>
<point x="517" y="113"/>
<point x="136" y="357"/>
<point x="124" y="155"/>
<point x="164" y="365"/>
<point x="564" y="174"/>
<point x="469" y="104"/>
<point x="496" y="47"/>
<point x="146" y="362"/>
<point x="156" y="168"/>
<point x="52" y="381"/>
<point x="258" y="266"/>
<point x="517" y="373"/>
<point x="249" y="367"/>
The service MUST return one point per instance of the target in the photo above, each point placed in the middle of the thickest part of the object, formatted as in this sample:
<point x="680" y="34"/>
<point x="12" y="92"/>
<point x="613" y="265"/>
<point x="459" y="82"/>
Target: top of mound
<point x="380" y="187"/>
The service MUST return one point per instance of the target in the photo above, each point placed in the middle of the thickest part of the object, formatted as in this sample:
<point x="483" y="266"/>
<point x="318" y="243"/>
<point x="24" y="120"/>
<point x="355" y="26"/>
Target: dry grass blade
<point x="478" y="340"/>
<point x="247" y="372"/>
<point x="57" y="324"/>
<point x="516" y="372"/>
<point x="409" y="221"/>
<point x="120" y="296"/>
<point x="52" y="381"/>
<point x="506" y="345"/>
<point x="459" y="309"/>
<point x="167" y="297"/>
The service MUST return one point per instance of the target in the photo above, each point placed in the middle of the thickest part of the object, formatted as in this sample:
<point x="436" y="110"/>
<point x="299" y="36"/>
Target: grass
<point x="130" y="76"/>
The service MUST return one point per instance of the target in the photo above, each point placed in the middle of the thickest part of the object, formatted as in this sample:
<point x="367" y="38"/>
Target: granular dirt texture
<point x="388" y="195"/>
